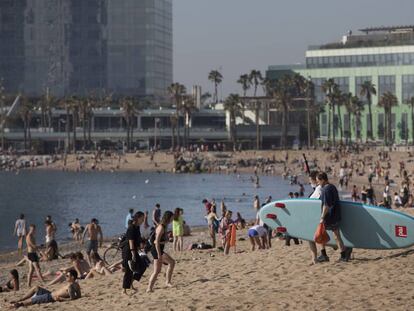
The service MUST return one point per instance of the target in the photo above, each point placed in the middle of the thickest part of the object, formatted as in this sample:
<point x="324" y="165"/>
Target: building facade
<point x="77" y="47"/>
<point x="384" y="56"/>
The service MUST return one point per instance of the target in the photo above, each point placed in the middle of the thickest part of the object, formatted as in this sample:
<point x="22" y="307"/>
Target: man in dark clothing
<point x="331" y="215"/>
<point x="131" y="261"/>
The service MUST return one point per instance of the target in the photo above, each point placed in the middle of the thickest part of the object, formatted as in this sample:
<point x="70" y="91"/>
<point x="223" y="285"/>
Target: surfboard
<point x="361" y="226"/>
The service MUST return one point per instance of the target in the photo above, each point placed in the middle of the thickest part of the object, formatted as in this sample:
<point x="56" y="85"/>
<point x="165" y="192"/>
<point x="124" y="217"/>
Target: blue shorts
<point x="42" y="296"/>
<point x="91" y="246"/>
<point x="252" y="233"/>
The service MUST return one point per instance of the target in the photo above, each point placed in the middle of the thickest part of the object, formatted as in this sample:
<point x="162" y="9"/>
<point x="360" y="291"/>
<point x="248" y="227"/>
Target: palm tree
<point x="256" y="79"/>
<point x="216" y="77"/>
<point x="357" y="106"/>
<point x="26" y="112"/>
<point x="177" y="92"/>
<point x="410" y="102"/>
<point x="339" y="99"/>
<point x="233" y="107"/>
<point x="309" y="91"/>
<point x="387" y="101"/>
<point x="328" y="88"/>
<point x="75" y="102"/>
<point x="173" y="121"/>
<point x="129" y="112"/>
<point x="245" y="83"/>
<point x="85" y="116"/>
<point x="188" y="107"/>
<point x="368" y="89"/>
<point x="282" y="95"/>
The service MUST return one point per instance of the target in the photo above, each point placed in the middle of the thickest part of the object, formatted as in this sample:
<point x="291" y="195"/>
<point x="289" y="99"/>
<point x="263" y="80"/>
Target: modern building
<point x="77" y="47"/>
<point x="384" y="56"/>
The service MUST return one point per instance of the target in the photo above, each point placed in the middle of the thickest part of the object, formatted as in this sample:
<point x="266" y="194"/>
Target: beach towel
<point x="232" y="235"/>
<point x="321" y="236"/>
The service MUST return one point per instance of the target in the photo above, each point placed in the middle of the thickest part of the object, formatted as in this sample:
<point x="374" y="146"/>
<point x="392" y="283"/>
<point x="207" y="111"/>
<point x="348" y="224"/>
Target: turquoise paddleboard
<point x="362" y="226"/>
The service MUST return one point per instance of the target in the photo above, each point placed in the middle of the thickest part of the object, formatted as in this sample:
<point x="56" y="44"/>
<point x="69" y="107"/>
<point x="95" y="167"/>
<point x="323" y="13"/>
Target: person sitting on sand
<point x="157" y="252"/>
<point x="93" y="230"/>
<point x="13" y="284"/>
<point x="258" y="236"/>
<point x="78" y="263"/>
<point x="39" y="295"/>
<point x="99" y="267"/>
<point x="32" y="255"/>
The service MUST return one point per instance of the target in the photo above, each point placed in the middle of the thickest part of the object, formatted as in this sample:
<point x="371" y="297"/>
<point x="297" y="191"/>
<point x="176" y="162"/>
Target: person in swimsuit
<point x="99" y="267"/>
<point x="50" y="232"/>
<point x="39" y="295"/>
<point x="93" y="230"/>
<point x="20" y="232"/>
<point x="12" y="284"/>
<point x="157" y="251"/>
<point x="213" y="224"/>
<point x="32" y="255"/>
<point x="178" y="230"/>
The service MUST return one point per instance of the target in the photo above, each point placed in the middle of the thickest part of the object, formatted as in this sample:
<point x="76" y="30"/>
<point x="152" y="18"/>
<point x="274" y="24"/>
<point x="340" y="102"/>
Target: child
<point x="178" y="230"/>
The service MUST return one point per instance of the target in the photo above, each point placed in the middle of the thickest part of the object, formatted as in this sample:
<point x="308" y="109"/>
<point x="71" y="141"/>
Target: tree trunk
<point x="84" y="132"/>
<point x="371" y="134"/>
<point x="333" y="126"/>
<point x="412" y="123"/>
<point x="131" y="136"/>
<point x="329" y="124"/>
<point x="178" y="129"/>
<point x="25" y="134"/>
<point x="284" y="128"/>
<point x="127" y="129"/>
<point x="173" y="137"/>
<point x="385" y="127"/>
<point x="390" y="138"/>
<point x="29" y="136"/>
<point x="67" y="130"/>
<point x="74" y="129"/>
<point x="89" y="130"/>
<point x="341" y="130"/>
<point x="308" y="123"/>
<point x="257" y="126"/>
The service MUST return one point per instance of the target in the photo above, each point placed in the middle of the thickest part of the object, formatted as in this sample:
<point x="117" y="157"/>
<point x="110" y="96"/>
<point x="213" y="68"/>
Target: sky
<point x="236" y="36"/>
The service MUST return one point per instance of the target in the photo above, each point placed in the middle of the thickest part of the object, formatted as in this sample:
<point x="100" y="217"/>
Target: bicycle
<point x="114" y="252"/>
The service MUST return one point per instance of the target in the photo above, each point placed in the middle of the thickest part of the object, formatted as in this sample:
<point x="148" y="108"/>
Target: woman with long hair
<point x="178" y="229"/>
<point x="157" y="252"/>
<point x="13" y="284"/>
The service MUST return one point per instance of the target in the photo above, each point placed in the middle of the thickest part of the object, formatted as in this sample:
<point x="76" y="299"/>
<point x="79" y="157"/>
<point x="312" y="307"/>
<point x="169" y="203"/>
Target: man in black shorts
<point x="132" y="263"/>
<point x="331" y="215"/>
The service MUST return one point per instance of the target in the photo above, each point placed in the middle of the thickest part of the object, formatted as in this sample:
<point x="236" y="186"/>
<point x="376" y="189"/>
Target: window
<point x="407" y="87"/>
<point x="386" y="84"/>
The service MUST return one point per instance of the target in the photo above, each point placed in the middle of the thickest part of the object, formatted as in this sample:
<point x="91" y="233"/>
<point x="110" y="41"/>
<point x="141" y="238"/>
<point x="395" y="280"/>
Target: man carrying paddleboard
<point x="331" y="214"/>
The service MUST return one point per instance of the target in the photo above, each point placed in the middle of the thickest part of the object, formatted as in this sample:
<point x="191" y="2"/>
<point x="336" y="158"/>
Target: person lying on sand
<point x="12" y="284"/>
<point x="39" y="295"/>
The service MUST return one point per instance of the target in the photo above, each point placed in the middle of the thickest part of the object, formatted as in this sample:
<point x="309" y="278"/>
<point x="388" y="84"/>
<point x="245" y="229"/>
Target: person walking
<point x="20" y="232"/>
<point x="157" y="252"/>
<point x="93" y="230"/>
<point x="131" y="261"/>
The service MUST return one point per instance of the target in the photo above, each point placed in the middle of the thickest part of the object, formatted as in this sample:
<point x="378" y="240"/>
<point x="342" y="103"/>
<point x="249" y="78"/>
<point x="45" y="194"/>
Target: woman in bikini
<point x="157" y="252"/>
<point x="12" y="284"/>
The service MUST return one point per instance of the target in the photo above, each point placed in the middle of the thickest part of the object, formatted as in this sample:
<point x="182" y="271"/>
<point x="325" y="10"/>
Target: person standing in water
<point x="32" y="256"/>
<point x="20" y="232"/>
<point x="157" y="252"/>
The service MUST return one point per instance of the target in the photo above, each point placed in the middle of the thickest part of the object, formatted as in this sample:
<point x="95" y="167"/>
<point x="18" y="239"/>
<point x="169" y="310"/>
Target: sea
<point x="108" y="197"/>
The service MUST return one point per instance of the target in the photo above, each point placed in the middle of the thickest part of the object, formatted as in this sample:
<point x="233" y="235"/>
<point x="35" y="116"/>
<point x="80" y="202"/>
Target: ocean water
<point x="108" y="197"/>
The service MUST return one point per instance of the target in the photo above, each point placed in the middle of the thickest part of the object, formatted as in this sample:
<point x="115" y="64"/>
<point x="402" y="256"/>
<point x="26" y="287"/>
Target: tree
<point x="387" y="101"/>
<point x="188" y="108"/>
<point x="129" y="111"/>
<point x="339" y="99"/>
<point x="245" y="83"/>
<point x="177" y="92"/>
<point x="256" y="79"/>
<point x="309" y="90"/>
<point x="328" y="87"/>
<point x="26" y="113"/>
<point x="85" y="116"/>
<point x="410" y="102"/>
<point x="354" y="107"/>
<point x="368" y="89"/>
<point x="233" y="107"/>
<point x="282" y="98"/>
<point x="216" y="77"/>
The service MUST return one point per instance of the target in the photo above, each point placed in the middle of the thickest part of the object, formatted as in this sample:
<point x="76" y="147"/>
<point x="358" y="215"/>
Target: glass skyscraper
<point x="123" y="47"/>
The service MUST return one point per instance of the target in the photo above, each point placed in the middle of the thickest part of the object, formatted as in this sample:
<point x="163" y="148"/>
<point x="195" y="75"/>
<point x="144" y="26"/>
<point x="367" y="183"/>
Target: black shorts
<point x="33" y="257"/>
<point x="154" y="252"/>
<point x="332" y="226"/>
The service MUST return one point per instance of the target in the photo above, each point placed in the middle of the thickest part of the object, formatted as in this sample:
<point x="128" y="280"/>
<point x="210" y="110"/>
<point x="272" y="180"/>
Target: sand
<point x="276" y="279"/>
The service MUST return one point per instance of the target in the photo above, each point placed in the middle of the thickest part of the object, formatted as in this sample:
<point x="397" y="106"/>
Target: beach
<point x="279" y="278"/>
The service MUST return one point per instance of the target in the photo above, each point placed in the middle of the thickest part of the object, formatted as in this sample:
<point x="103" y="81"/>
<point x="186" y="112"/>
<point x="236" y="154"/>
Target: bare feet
<point x="149" y="290"/>
<point x="168" y="285"/>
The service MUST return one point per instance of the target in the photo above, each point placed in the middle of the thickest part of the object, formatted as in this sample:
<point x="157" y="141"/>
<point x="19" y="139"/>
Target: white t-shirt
<point x="20" y="227"/>
<point x="260" y="230"/>
<point x="316" y="194"/>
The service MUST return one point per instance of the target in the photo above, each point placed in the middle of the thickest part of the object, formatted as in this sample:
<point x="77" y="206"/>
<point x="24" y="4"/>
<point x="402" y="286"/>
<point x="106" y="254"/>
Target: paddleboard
<point x="361" y="226"/>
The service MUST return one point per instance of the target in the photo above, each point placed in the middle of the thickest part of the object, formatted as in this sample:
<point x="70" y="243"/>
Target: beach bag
<point x="321" y="236"/>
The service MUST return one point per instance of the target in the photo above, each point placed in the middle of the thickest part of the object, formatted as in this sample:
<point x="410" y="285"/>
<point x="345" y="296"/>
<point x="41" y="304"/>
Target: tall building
<point x="384" y="56"/>
<point x="122" y="47"/>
